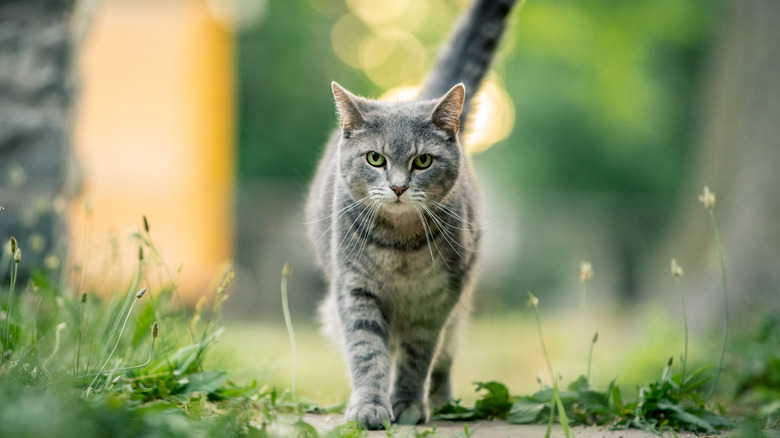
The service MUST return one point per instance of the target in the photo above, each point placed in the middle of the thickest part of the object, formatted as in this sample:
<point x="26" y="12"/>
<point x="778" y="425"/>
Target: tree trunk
<point x="737" y="156"/>
<point x="37" y="63"/>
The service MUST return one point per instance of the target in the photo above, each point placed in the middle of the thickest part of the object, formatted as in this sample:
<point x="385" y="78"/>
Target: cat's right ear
<point x="349" y="114"/>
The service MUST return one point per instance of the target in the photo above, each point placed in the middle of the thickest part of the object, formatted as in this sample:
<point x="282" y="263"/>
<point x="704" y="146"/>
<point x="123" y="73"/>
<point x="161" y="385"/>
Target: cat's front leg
<point x="366" y="340"/>
<point x="413" y="362"/>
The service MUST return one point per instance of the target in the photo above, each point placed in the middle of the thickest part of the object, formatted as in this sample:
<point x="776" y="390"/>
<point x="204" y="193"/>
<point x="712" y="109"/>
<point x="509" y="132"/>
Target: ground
<point x="481" y="429"/>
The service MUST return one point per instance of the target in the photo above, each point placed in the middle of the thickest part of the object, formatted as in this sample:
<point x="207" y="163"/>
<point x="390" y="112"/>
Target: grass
<point x="86" y="363"/>
<point x="79" y="362"/>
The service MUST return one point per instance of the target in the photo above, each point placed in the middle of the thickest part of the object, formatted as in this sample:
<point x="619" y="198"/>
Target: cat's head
<point x="399" y="154"/>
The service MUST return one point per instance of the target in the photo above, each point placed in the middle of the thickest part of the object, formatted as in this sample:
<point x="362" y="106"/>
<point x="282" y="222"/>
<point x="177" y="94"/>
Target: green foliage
<point x="350" y="429"/>
<point x="494" y="404"/>
<point x="80" y="364"/>
<point x="665" y="404"/>
<point x="660" y="405"/>
<point x="45" y="412"/>
<point x="582" y="404"/>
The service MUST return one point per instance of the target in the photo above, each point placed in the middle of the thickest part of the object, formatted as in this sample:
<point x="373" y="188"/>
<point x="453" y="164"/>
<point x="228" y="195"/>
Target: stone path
<point x="482" y="429"/>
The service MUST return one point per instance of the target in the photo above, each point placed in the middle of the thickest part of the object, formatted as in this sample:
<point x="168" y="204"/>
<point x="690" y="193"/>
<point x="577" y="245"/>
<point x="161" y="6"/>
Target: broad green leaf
<point x="496" y="403"/>
<point x="617" y="399"/>
<point x="205" y="382"/>
<point x="688" y="419"/>
<point x="579" y="385"/>
<point x="525" y="411"/>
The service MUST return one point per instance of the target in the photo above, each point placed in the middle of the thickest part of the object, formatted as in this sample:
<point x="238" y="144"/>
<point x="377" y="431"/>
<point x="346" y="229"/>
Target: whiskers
<point x="340" y="213"/>
<point x="449" y="232"/>
<point x="448" y="236"/>
<point x="451" y="212"/>
<point x="364" y="222"/>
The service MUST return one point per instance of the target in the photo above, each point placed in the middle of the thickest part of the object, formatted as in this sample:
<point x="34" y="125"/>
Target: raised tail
<point x="466" y="57"/>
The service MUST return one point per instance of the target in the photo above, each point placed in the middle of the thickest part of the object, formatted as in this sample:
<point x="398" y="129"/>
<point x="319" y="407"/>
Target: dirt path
<point x="481" y="429"/>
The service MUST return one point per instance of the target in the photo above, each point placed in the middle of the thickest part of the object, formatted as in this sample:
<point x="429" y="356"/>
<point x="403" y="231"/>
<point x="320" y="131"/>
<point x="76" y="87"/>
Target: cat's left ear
<point x="349" y="114"/>
<point x="446" y="115"/>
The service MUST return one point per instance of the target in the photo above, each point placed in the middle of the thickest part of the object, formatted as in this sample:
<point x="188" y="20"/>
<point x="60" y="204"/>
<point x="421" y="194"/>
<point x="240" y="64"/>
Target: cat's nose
<point x="399" y="190"/>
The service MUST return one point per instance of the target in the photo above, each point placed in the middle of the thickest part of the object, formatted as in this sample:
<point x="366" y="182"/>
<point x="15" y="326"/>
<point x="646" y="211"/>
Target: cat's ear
<point x="446" y="115"/>
<point x="350" y="116"/>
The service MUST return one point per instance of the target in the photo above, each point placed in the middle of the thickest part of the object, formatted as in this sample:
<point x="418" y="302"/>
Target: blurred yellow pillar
<point x="155" y="136"/>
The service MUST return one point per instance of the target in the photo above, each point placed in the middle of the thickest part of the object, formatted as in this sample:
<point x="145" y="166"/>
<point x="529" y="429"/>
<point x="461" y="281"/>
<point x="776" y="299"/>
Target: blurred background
<point x="597" y="128"/>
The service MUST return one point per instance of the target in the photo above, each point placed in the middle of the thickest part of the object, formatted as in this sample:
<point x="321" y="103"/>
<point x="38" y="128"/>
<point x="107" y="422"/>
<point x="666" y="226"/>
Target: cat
<point x="392" y="212"/>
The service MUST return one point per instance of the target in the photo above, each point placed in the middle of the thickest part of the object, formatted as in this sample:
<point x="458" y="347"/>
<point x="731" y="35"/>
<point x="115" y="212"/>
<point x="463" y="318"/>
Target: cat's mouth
<point x="398" y="205"/>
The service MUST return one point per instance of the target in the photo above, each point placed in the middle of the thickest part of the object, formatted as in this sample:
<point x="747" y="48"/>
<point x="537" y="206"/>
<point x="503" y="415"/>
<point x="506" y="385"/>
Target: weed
<point x="586" y="273"/>
<point x="555" y="401"/>
<point x="17" y="258"/>
<point x="138" y="296"/>
<point x="286" y="271"/>
<point x="122" y="366"/>
<point x="708" y="199"/>
<point x="677" y="273"/>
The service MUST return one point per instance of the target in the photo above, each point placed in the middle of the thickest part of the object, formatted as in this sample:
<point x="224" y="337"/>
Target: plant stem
<point x="130" y="297"/>
<point x="725" y="302"/>
<point x="288" y="323"/>
<point x="544" y="348"/>
<point x="584" y="322"/>
<point x="685" y="325"/>
<point x="552" y="414"/>
<point x="556" y="400"/>
<point x="14" y="273"/>
<point x="148" y="361"/>
<point x="174" y="285"/>
<point x="590" y="356"/>
<point x="562" y="412"/>
<point x="118" y="338"/>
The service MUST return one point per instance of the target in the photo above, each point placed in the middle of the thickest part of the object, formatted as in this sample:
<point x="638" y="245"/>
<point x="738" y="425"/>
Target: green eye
<point x="422" y="161"/>
<point x="375" y="159"/>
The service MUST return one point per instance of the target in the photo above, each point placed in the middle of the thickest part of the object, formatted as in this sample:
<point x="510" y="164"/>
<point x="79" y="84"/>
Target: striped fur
<point x="397" y="241"/>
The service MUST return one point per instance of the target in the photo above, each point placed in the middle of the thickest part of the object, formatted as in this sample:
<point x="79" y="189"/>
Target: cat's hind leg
<point x="413" y="361"/>
<point x="440" y="383"/>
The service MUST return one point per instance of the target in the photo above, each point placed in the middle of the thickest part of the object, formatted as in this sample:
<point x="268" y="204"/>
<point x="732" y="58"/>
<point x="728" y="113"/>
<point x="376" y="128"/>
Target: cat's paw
<point x="370" y="415"/>
<point x="409" y="412"/>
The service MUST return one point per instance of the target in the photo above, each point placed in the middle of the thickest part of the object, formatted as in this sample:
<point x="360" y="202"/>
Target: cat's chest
<point x="407" y="280"/>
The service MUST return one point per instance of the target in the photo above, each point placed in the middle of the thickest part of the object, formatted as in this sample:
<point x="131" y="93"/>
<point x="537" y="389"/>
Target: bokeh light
<point x="389" y="57"/>
<point x="492" y="116"/>
<point x="376" y="13"/>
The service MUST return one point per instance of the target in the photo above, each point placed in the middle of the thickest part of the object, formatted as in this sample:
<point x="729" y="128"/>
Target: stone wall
<point x="37" y="92"/>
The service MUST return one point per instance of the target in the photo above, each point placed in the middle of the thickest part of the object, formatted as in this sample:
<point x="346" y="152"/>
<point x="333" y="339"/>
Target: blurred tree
<point x="606" y="97"/>
<point x="36" y="96"/>
<point x="737" y="155"/>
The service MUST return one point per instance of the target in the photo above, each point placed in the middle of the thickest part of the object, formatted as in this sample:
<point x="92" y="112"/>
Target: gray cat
<point x="393" y="214"/>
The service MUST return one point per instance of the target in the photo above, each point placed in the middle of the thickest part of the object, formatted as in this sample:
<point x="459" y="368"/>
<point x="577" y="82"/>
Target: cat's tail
<point x="466" y="57"/>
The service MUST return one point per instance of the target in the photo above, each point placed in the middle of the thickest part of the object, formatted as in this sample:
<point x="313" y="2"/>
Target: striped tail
<point x="466" y="57"/>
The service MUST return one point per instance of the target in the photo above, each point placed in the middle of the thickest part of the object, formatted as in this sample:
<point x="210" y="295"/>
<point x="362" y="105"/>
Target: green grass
<point x="79" y="362"/>
<point x="76" y="362"/>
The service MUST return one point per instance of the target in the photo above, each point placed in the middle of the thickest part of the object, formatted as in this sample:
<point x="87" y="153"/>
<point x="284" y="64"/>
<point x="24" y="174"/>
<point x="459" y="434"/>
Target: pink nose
<point x="399" y="190"/>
